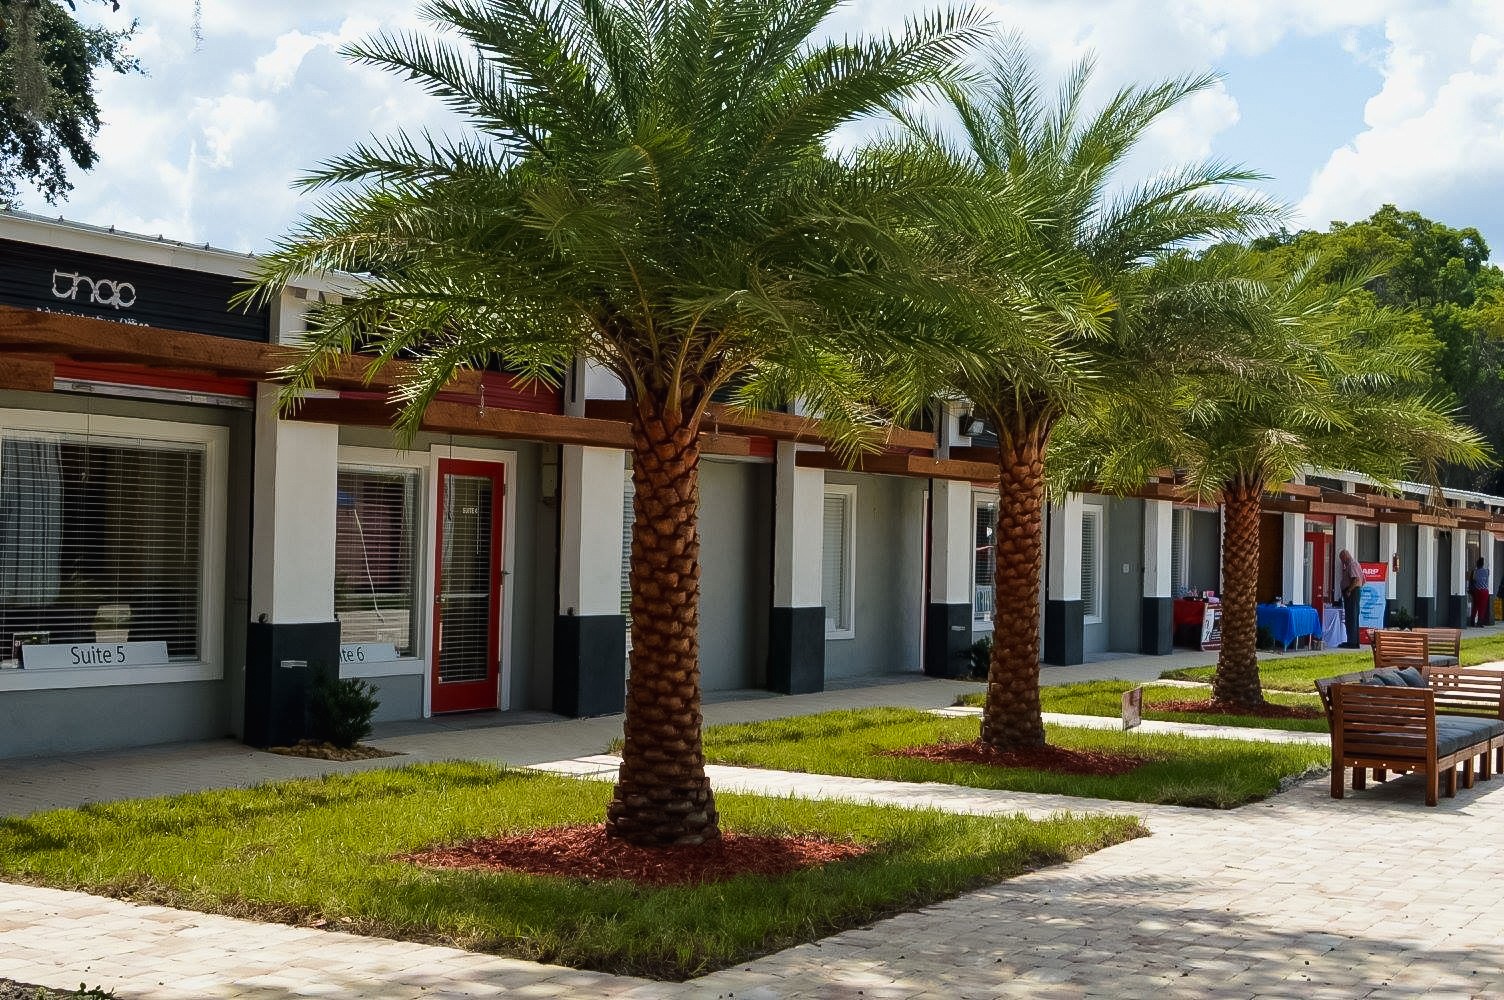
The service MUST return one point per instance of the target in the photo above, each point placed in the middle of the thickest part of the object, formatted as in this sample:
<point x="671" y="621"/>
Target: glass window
<point x="1091" y="565"/>
<point x="375" y="564"/>
<point x="101" y="541"/>
<point x="985" y="561"/>
<point x="835" y="580"/>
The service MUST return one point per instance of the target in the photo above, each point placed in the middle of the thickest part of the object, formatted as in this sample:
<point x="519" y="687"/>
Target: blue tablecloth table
<point x="1289" y="622"/>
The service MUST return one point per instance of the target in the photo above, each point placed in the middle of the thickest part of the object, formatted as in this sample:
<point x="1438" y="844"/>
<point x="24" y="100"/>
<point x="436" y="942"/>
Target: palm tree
<point x="648" y="188"/>
<point x="1057" y="164"/>
<point x="1260" y="376"/>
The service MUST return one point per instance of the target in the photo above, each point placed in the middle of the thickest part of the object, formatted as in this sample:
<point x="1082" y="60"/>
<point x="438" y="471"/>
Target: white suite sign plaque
<point x="96" y="291"/>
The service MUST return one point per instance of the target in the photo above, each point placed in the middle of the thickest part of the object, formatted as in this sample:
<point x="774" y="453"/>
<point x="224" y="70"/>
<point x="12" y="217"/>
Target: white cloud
<point x="1433" y="141"/>
<point x="210" y="141"/>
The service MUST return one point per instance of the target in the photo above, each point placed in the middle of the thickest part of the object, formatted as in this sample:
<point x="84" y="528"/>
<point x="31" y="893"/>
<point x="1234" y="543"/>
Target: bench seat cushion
<point x="1443" y="660"/>
<point x="1455" y="732"/>
<point x="1412" y="677"/>
<point x="1389" y="677"/>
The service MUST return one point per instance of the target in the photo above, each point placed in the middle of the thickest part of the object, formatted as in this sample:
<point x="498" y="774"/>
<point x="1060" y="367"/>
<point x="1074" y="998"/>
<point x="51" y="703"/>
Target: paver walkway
<point x="1299" y="896"/>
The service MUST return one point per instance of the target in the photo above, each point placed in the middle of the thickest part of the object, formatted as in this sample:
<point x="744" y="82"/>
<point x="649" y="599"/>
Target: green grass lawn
<point x="1182" y="770"/>
<point x="1298" y="673"/>
<point x="1106" y="698"/>
<point x="321" y="849"/>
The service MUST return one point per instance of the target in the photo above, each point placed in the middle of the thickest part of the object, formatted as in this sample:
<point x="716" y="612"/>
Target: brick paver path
<point x="1296" y="897"/>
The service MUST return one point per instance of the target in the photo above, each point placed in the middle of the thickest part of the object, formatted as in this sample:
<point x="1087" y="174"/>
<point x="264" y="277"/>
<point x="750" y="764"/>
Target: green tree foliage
<point x="646" y="185"/>
<point x="48" y="114"/>
<point x="1265" y="364"/>
<point x="1066" y="255"/>
<point x="1439" y="275"/>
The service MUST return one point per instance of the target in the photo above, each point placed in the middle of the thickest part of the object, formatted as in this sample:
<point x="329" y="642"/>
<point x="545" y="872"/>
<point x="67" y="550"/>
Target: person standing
<point x="1350" y="585"/>
<point x="1478" y="585"/>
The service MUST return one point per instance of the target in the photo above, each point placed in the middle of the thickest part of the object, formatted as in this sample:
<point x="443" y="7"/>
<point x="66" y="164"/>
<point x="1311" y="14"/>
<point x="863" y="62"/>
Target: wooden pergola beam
<point x="918" y="466"/>
<point x="721" y="417"/>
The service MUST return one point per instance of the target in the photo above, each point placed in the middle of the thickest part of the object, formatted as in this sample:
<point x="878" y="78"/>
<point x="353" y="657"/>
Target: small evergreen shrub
<point x="1401" y="618"/>
<point x="1263" y="638"/>
<point x="340" y="710"/>
<point x="981" y="657"/>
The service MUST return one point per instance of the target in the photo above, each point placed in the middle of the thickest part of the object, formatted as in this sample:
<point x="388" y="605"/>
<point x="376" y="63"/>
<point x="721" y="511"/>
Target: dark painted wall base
<point x="1425" y="611"/>
<point x="1156" y="635"/>
<point x="1389" y="609"/>
<point x="947" y="640"/>
<point x="1064" y="632"/>
<point x="281" y="662"/>
<point x="590" y="665"/>
<point x="1456" y="608"/>
<point x="796" y="650"/>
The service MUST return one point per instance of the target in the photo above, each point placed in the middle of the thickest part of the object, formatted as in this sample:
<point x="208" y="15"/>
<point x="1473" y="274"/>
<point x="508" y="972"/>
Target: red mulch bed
<point x="1045" y="758"/>
<point x="584" y="852"/>
<point x="1268" y="710"/>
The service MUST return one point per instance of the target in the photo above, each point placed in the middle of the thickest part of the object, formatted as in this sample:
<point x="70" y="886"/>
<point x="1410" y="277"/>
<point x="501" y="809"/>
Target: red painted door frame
<point x="478" y="695"/>
<point x="1319" y="541"/>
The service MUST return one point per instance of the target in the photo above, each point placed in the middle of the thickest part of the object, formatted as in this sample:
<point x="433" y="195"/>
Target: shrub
<point x="981" y="657"/>
<point x="340" y="710"/>
<point x="1401" y="618"/>
<point x="1263" y="638"/>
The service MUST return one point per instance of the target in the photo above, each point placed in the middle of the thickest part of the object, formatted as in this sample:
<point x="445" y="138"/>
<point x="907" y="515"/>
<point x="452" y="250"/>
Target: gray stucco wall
<point x="1409" y="542"/>
<point x="1206" y="551"/>
<point x="77" y="719"/>
<point x="1125" y="590"/>
<point x="71" y="720"/>
<point x="533" y="583"/>
<point x="888" y="576"/>
<point x="736" y="551"/>
<point x="401" y="697"/>
<point x="1366" y="547"/>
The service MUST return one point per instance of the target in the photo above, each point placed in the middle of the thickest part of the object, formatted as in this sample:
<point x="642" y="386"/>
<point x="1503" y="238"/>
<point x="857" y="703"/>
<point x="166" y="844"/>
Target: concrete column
<point x="1456" y="587"/>
<point x="1486" y="550"/>
<point x="1157" y="621"/>
<point x="1293" y="559"/>
<point x="1389" y="547"/>
<point x="293" y="634"/>
<point x="1064" y="612"/>
<point x="947" y="622"/>
<point x="1425" y="575"/>
<point x="1345" y="537"/>
<point x="796" y="642"/>
<point x="590" y="632"/>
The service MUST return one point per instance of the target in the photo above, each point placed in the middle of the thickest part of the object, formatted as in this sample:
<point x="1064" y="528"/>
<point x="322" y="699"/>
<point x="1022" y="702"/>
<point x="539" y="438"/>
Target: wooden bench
<point x="1443" y="645"/>
<point x="1395" y="648"/>
<point x="1456" y="718"/>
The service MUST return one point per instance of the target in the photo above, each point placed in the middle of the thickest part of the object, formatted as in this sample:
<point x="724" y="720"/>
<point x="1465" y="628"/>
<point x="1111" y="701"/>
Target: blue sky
<point x="1346" y="104"/>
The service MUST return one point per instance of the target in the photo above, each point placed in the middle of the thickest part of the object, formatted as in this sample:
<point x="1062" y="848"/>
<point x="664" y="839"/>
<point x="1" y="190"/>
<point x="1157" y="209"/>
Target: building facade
<point x="175" y="542"/>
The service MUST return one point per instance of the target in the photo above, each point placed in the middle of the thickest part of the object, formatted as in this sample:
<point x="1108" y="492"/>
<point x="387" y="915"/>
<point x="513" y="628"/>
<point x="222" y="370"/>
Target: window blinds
<point x="835" y="580"/>
<point x="375" y="541"/>
<point x="100" y="541"/>
<point x="1177" y="551"/>
<point x="1091" y="563"/>
<point x="984" y="566"/>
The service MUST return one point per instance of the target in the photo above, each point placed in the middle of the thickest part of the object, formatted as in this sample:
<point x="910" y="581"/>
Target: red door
<point x="1316" y="561"/>
<point x="468" y="580"/>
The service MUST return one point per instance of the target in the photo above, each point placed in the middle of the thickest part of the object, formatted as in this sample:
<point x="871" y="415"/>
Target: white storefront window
<point x="111" y="550"/>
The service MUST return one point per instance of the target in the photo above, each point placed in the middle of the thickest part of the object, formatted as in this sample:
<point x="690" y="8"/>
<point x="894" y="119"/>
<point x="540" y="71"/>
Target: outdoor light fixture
<point x="971" y="425"/>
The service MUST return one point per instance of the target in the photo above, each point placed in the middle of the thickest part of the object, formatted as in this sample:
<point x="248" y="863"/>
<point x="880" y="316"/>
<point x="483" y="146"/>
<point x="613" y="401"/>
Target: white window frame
<point x="848" y="584"/>
<point x="213" y="527"/>
<point x="381" y="460"/>
<point x="1180" y="569"/>
<point x="979" y="500"/>
<point x="1097" y="513"/>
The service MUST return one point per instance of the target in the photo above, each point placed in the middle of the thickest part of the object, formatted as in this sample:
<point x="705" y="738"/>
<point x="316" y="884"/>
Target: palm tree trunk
<point x="662" y="795"/>
<point x="1011" y="719"/>
<point x="1237" y="677"/>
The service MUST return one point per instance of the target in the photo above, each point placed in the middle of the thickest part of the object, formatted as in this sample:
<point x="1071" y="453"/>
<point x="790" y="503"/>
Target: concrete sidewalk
<point x="1297" y="896"/>
<point x="1300" y="896"/>
<point x="520" y="738"/>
